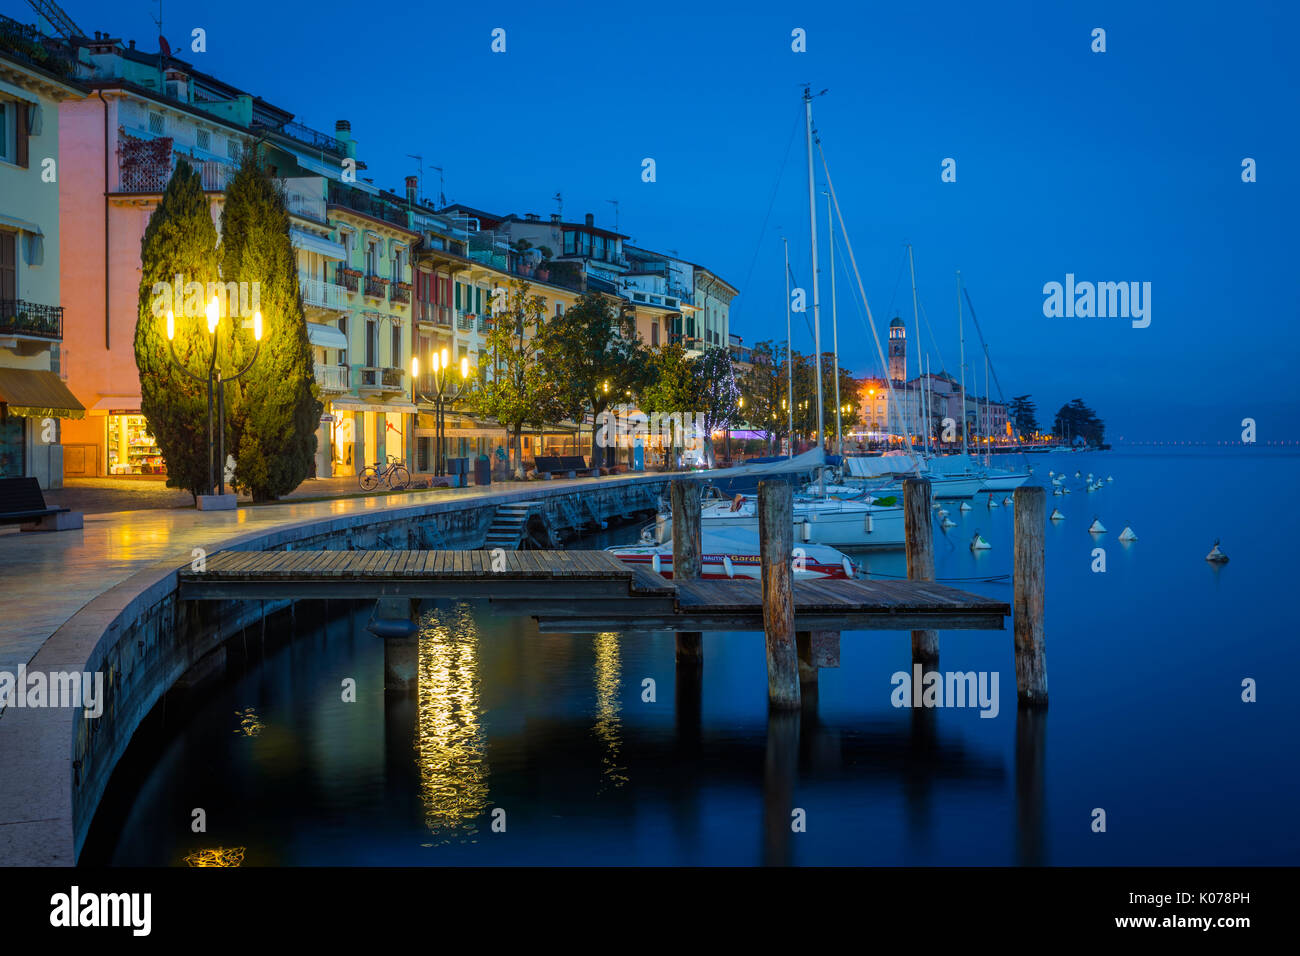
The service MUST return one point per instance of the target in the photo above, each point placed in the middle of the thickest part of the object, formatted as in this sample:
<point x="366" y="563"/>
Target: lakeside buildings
<point x="384" y="277"/>
<point x="35" y="404"/>
<point x="984" y="418"/>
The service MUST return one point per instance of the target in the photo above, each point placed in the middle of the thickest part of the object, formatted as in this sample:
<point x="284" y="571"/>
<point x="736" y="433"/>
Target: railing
<point x="464" y="320"/>
<point x="304" y="204"/>
<point x="323" y="295"/>
<point x="24" y="42"/>
<point x="362" y="202"/>
<point x="349" y="279"/>
<point x="332" y="378"/>
<point x="401" y="292"/>
<point x="376" y="377"/>
<point x="376" y="286"/>
<point x="436" y="314"/>
<point x="29" y="318"/>
<point x="485" y="323"/>
<point x="305" y="134"/>
<point x="140" y="175"/>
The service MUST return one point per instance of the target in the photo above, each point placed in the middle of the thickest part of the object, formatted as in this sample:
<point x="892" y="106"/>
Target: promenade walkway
<point x="46" y="578"/>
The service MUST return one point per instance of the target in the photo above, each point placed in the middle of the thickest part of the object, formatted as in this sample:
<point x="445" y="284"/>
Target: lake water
<point x="551" y="733"/>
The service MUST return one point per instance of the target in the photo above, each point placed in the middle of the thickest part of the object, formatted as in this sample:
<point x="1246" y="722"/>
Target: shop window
<point x="131" y="449"/>
<point x="13" y="447"/>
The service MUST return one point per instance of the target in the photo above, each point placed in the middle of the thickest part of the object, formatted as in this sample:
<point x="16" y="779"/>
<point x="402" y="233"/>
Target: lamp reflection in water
<point x="608" y="673"/>
<point x="221" y="856"/>
<point x="450" y="742"/>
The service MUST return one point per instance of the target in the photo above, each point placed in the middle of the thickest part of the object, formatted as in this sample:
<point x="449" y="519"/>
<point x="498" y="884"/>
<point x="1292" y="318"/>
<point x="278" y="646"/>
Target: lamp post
<point x="445" y="394"/>
<point x="214" y="378"/>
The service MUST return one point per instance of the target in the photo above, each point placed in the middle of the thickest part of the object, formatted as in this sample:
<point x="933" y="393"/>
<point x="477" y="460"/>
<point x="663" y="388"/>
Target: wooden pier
<point x="593" y="591"/>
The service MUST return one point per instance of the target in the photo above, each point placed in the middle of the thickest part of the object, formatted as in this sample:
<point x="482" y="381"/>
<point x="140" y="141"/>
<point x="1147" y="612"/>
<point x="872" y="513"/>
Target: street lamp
<point x="217" y="444"/>
<point x="445" y="394"/>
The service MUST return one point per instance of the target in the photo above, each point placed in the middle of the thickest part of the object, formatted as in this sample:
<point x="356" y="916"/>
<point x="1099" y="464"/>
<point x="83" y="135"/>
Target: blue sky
<point x="1115" y="166"/>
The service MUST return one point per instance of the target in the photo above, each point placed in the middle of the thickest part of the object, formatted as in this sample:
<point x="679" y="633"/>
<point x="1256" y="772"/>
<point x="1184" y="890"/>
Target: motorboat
<point x="855" y="523"/>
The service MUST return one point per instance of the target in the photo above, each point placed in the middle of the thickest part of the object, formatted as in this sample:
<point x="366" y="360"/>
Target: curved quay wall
<point x="144" y="640"/>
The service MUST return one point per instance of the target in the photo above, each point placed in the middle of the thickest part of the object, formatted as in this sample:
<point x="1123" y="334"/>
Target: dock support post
<point x="919" y="535"/>
<point x="807" y="668"/>
<point x="1027" y="610"/>
<point x="686" y="559"/>
<point x="775" y="541"/>
<point x="394" y="620"/>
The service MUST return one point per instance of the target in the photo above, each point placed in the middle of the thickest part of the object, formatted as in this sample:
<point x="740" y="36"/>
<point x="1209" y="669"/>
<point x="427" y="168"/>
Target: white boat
<point x="828" y="521"/>
<point x="734" y="554"/>
<point x="894" y="467"/>
<point x="1003" y="479"/>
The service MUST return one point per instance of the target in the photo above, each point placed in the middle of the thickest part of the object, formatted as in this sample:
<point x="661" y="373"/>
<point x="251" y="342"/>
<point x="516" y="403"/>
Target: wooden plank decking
<point x="584" y="591"/>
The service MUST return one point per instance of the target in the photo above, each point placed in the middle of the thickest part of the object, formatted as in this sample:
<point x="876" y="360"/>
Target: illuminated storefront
<point x="130" y="448"/>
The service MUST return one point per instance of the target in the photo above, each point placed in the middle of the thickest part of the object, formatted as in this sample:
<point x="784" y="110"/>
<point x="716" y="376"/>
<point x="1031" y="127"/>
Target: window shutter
<point x="20" y="122"/>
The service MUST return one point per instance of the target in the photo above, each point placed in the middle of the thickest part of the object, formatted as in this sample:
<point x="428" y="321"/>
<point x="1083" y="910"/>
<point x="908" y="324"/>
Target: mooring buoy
<point x="1216" y="556"/>
<point x="1097" y="527"/>
<point x="1056" y="515"/>
<point x="978" y="543"/>
<point x="1127" y="534"/>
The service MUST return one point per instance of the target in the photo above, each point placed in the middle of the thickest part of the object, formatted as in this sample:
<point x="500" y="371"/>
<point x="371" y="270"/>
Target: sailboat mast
<point x="988" y="414"/>
<point x="835" y="331"/>
<point x="789" y="359"/>
<point x="927" y="393"/>
<point x="961" y="365"/>
<point x="817" y="315"/>
<point x="916" y="321"/>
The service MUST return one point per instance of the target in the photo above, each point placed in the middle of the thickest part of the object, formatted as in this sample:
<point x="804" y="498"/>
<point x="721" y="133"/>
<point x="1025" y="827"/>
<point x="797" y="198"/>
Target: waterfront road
<point x="47" y="577"/>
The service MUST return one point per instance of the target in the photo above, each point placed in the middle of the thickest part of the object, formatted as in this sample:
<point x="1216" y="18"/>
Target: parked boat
<point x="859" y="523"/>
<point x="734" y="554"/>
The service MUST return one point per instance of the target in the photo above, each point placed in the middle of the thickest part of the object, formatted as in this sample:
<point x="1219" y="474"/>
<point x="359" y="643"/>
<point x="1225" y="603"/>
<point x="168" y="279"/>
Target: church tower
<point x="897" y="350"/>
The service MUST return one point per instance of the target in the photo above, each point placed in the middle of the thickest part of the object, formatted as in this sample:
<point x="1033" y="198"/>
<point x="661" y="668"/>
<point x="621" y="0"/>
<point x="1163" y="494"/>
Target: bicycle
<point x="393" y="474"/>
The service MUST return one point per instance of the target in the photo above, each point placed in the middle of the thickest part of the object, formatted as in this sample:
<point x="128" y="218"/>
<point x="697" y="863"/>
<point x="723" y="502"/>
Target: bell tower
<point x="897" y="350"/>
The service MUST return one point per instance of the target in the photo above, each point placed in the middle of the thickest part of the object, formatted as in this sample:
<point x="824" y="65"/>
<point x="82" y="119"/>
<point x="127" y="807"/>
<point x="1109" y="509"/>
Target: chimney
<point x="532" y="217"/>
<point x="412" y="189"/>
<point x="132" y="44"/>
<point x="555" y="218"/>
<point x="591" y="220"/>
<point x="342" y="126"/>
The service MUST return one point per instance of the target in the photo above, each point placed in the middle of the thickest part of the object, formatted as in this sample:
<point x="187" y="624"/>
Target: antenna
<point x="559" y="201"/>
<point x="614" y="203"/>
<point x="442" y="187"/>
<point x="420" y="160"/>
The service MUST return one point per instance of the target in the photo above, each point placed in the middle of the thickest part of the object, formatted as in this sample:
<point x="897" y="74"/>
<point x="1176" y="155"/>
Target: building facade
<point x="35" y="404"/>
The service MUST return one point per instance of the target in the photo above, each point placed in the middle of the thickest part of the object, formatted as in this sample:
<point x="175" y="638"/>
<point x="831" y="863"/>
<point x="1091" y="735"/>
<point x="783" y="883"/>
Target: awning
<point x="312" y="243"/>
<point x="129" y="404"/>
<point x="400" y="408"/>
<point x="326" y="336"/>
<point x="22" y="225"/>
<point x="32" y="393"/>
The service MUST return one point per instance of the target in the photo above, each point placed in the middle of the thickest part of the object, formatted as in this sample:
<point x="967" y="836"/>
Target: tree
<point x="764" y="389"/>
<point x="715" y="385"/>
<point x="672" y="388"/>
<point x="276" y="409"/>
<point x="1024" y="415"/>
<point x="595" y="355"/>
<point x="515" y="385"/>
<point x="180" y="240"/>
<point x="1077" y="420"/>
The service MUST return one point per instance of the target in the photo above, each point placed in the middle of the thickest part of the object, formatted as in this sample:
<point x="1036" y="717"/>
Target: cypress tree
<point x="275" y="413"/>
<point x="180" y="239"/>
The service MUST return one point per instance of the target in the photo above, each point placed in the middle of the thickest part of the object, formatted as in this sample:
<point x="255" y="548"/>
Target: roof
<point x="897" y="323"/>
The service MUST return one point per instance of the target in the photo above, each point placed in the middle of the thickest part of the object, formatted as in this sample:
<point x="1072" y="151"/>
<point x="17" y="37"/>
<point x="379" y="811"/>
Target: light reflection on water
<point x="608" y="675"/>
<point x="449" y="740"/>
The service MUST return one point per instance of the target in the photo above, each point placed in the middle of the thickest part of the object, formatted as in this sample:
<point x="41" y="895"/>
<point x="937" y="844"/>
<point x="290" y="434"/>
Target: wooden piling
<point x="775" y="542"/>
<point x="1029" y="582"/>
<point x="919" y="534"/>
<point x="687" y="563"/>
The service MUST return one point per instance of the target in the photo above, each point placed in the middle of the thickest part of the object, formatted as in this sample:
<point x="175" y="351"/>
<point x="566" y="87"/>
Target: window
<point x="372" y="258"/>
<point x="204" y="139"/>
<point x="396" y="359"/>
<point x="372" y="343"/>
<point x="343" y="327"/>
<point x="8" y="265"/>
<point x="157" y="123"/>
<point x="7" y="110"/>
<point x="232" y="149"/>
<point x="569" y="247"/>
<point x="654" y="334"/>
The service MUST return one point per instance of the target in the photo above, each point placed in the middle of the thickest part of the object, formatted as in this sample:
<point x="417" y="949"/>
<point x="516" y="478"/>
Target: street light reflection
<point x="608" y="723"/>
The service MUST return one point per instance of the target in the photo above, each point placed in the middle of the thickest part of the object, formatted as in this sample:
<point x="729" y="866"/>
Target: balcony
<point x="31" y="320"/>
<point x="349" y="279"/>
<point x="332" y="378"/>
<point x="464" y="320"/>
<point x="401" y="292"/>
<point x="485" y="323"/>
<point x="146" y="166"/>
<point x="306" y="135"/>
<point x="376" y="287"/>
<point x="360" y="201"/>
<point x="375" y="378"/>
<point x="434" y="314"/>
<point x="319" y="294"/>
<point x="301" y="201"/>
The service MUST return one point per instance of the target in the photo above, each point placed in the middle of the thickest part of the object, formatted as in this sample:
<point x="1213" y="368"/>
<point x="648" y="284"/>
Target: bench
<point x="569" y="466"/>
<point x="22" y="503"/>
